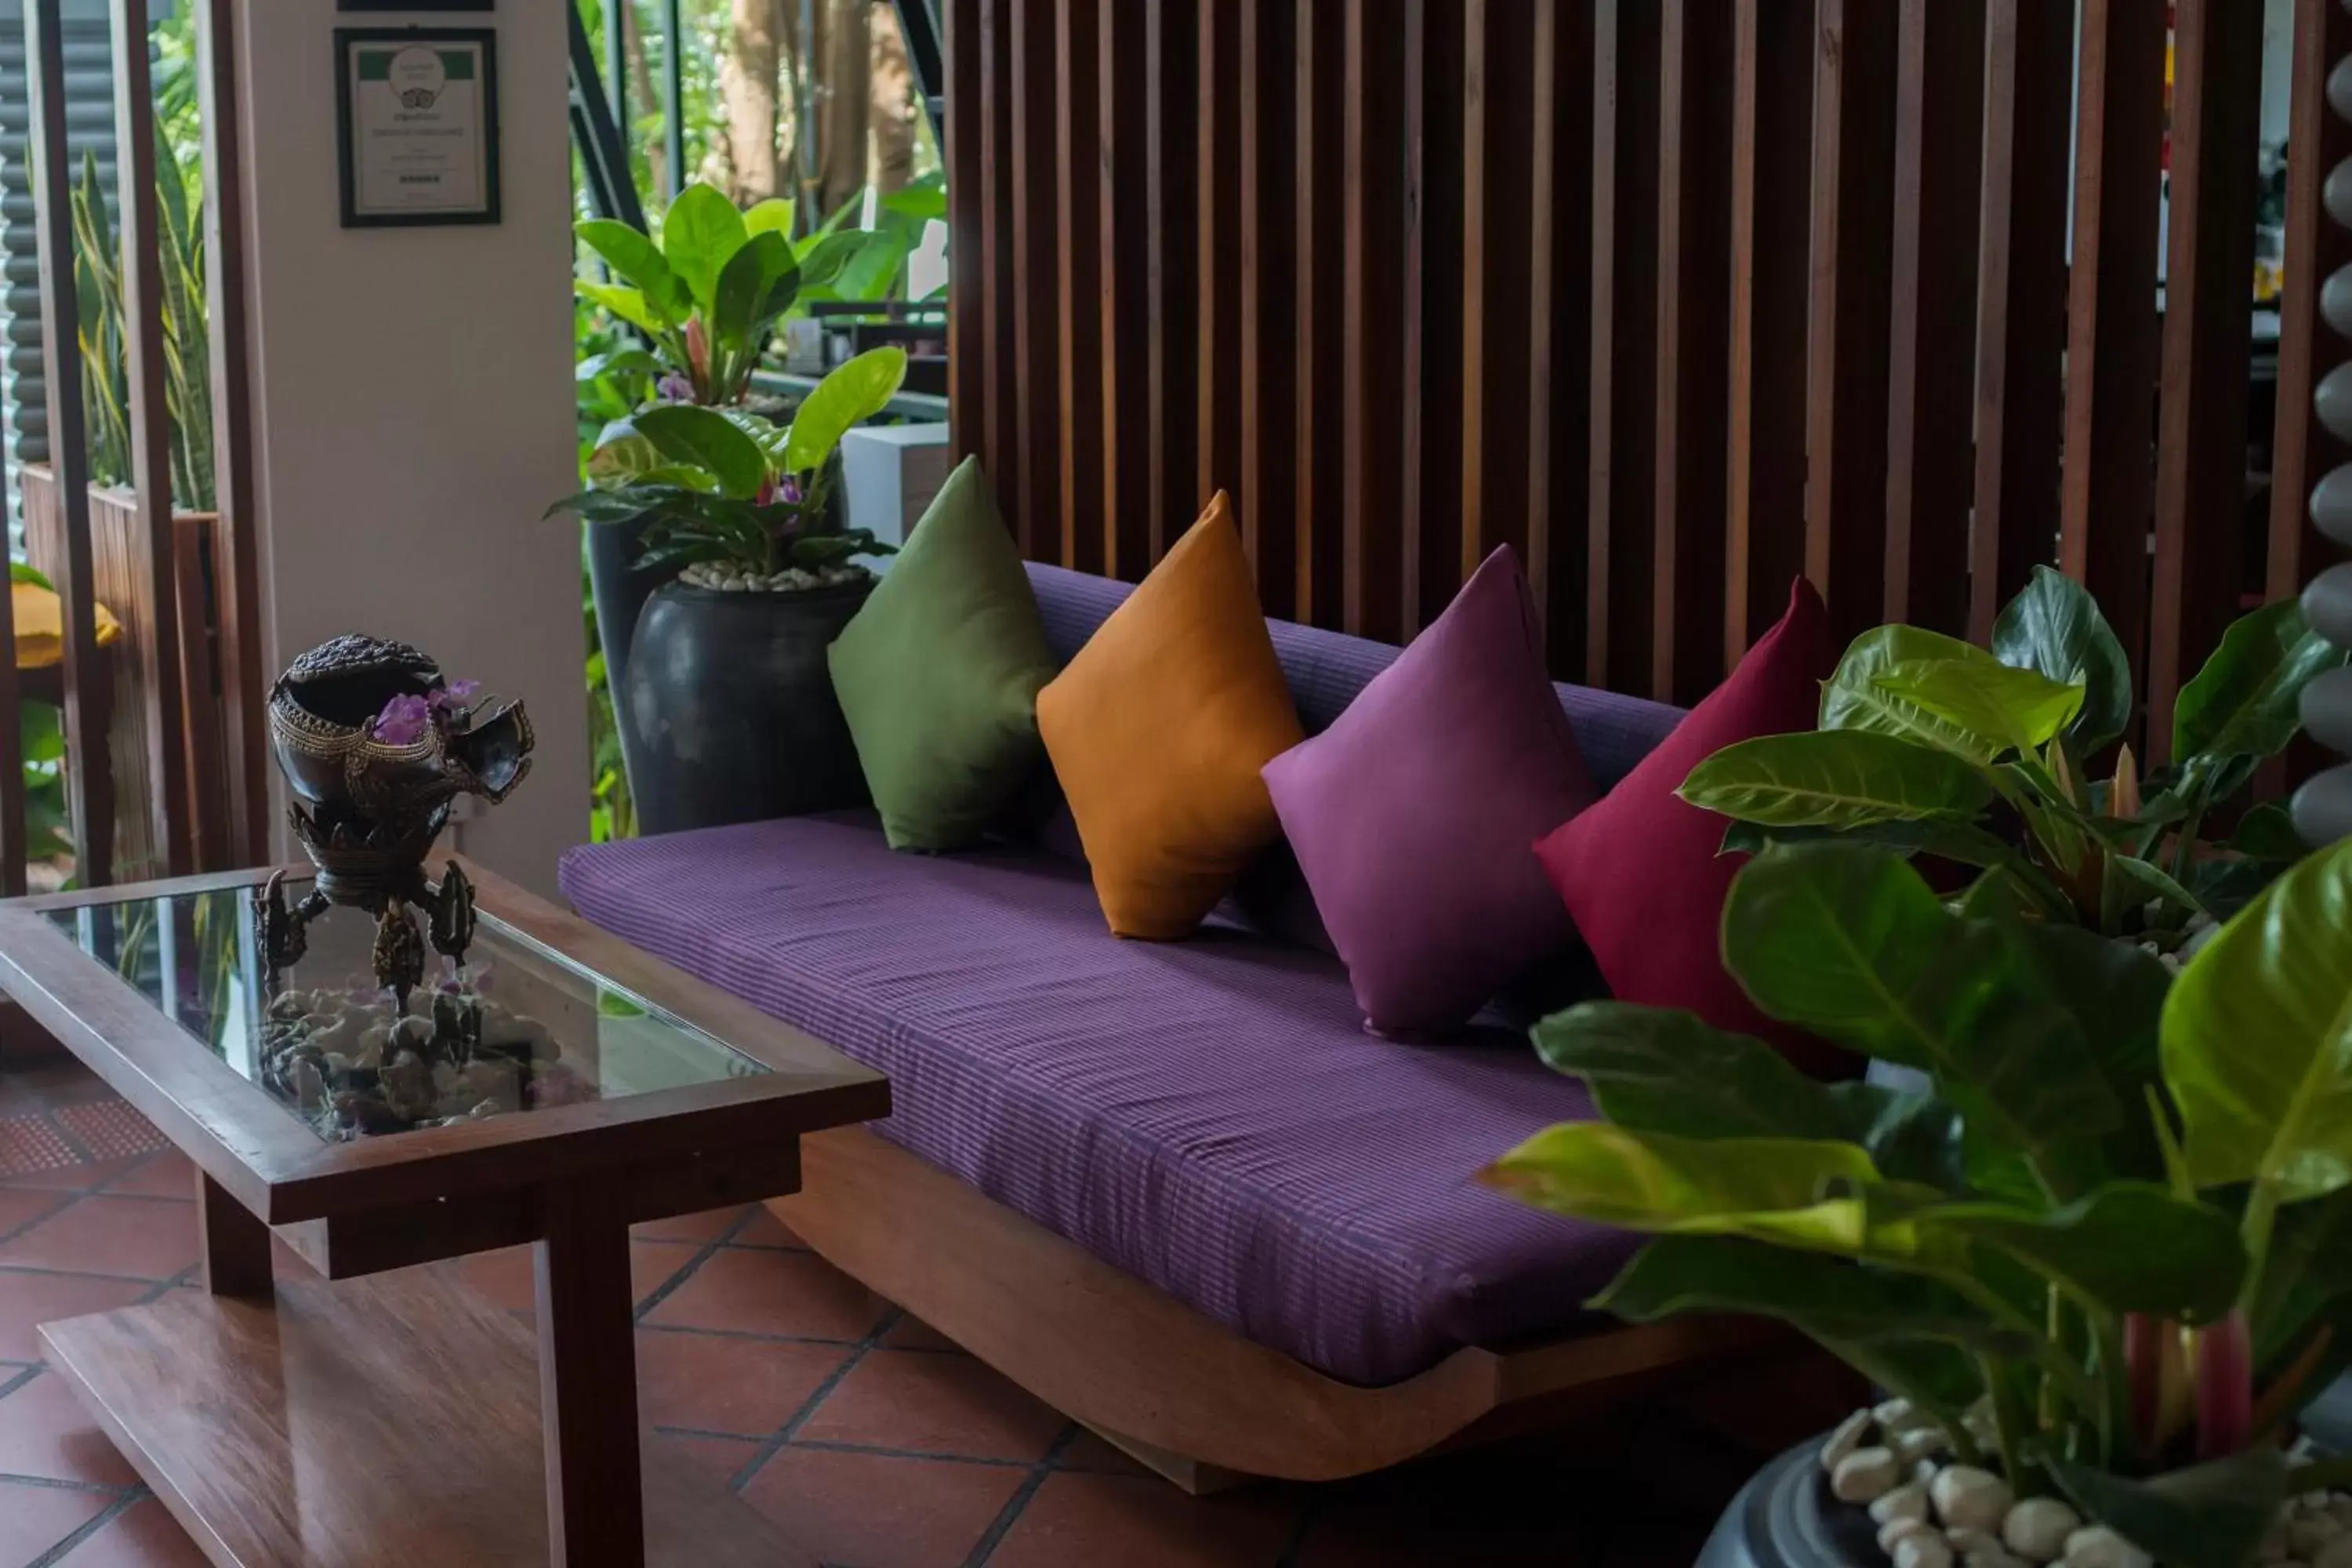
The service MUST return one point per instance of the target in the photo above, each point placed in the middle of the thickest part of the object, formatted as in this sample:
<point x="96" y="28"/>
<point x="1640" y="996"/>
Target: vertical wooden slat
<point x="1318" y="217"/>
<point x="2201" y="436"/>
<point x="1771" y="152"/>
<point x="1000" y="404"/>
<point x="1622" y="458"/>
<point x="1124" y="244"/>
<point x="1433" y="319"/>
<point x="2107" y="495"/>
<point x="1931" y="395"/>
<point x="1036" y="278"/>
<point x="237" y="580"/>
<point x="1371" y="388"/>
<point x="90" y="778"/>
<point x="1218" y="405"/>
<point x="1080" y="295"/>
<point x="1560" y="327"/>
<point x="168" y="805"/>
<point x="2316" y="246"/>
<point x="2022" y="313"/>
<point x="1270" y="306"/>
<point x="1497" y="259"/>
<point x="1694" y="321"/>
<point x="1171" y="132"/>
<point x="1854" y="167"/>
<point x="967" y="208"/>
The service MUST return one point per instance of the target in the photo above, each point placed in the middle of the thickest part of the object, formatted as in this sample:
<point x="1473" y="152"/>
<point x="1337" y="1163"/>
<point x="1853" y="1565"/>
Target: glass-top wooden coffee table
<point x="562" y="1088"/>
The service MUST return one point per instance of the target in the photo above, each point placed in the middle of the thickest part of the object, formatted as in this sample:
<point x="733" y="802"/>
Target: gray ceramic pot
<point x="1785" y="1518"/>
<point x="731" y="709"/>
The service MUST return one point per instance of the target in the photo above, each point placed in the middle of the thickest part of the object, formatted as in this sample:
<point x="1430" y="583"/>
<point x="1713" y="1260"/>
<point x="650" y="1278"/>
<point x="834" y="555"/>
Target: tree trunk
<point x="843" y="55"/>
<point x="648" y="96"/>
<point x="894" y="104"/>
<point x="752" y="171"/>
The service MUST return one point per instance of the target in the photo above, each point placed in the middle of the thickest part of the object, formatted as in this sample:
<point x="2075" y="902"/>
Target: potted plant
<point x="2102" y="1262"/>
<point x="1932" y="745"/>
<point x="728" y="699"/>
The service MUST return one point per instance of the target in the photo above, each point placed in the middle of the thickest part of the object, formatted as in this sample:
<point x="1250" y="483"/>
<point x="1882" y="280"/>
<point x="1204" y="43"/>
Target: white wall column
<point x="413" y="401"/>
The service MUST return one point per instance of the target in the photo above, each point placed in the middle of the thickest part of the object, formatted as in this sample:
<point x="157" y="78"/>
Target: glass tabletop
<point x="519" y="1028"/>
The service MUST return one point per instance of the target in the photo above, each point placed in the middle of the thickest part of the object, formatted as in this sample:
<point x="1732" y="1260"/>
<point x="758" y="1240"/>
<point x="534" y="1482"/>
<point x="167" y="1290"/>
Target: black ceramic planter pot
<point x="731" y="706"/>
<point x="1785" y="1518"/>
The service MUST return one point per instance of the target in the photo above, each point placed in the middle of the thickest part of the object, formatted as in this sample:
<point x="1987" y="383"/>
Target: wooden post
<point x="587" y="1382"/>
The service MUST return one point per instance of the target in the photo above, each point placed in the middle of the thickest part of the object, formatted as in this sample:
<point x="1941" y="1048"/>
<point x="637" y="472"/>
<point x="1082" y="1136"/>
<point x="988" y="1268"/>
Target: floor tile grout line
<point x="876" y="1450"/>
<point x="55" y="1484"/>
<point x="43" y="1272"/>
<point x="1018" y="1503"/>
<point x="10" y="1384"/>
<point x="686" y="1270"/>
<point x="105" y="1516"/>
<point x="783" y="1434"/>
<point x="61" y="1201"/>
<point x="752" y="1336"/>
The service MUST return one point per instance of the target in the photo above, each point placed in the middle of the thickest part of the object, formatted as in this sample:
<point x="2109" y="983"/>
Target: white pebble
<point x="2339" y="1508"/>
<point x="1908" y="1500"/>
<point x="1996" y="1558"/>
<point x="1900" y="1415"/>
<point x="1964" y="1538"/>
<point x="1845" y="1439"/>
<point x="2307" y="1535"/>
<point x="1864" y="1476"/>
<point x="1926" y="1471"/>
<point x="1924" y="1549"/>
<point x="2037" y="1529"/>
<point x="2336" y="1553"/>
<point x="1919" y="1443"/>
<point x="2097" y="1546"/>
<point x="1966" y="1497"/>
<point x="1898" y="1529"/>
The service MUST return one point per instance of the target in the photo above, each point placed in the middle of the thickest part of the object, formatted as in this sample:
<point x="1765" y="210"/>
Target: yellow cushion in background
<point x="40" y="626"/>
<point x="1157" y="730"/>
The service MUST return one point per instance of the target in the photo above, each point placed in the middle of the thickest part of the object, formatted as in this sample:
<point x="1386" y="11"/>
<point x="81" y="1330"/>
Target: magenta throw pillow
<point x="1411" y="815"/>
<point x="1641" y="872"/>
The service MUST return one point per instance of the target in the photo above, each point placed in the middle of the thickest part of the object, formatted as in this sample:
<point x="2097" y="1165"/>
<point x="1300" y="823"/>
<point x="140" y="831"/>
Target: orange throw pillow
<point x="1158" y="727"/>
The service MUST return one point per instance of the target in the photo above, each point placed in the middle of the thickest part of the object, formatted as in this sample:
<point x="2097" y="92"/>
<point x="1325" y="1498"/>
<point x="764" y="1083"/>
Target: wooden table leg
<point x="588" y="1385"/>
<point x="235" y="1244"/>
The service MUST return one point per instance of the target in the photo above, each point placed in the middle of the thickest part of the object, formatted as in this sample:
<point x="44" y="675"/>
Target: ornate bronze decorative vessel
<point x="375" y="744"/>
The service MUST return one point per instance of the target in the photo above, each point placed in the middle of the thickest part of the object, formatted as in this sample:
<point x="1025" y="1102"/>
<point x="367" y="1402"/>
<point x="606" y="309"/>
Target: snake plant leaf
<point x="684" y="433"/>
<point x="854" y="391"/>
<point x="1658" y="1069"/>
<point x="2211" y="1515"/>
<point x="1852" y="699"/>
<point x="2131" y="1247"/>
<point x="1826" y="1298"/>
<point x="700" y="233"/>
<point x="1837" y="778"/>
<point x="2054" y="626"/>
<point x="2257" y="1038"/>
<point x="632" y="253"/>
<point x="2243" y="705"/>
<point x="1848" y="942"/>
<point x="2017" y="709"/>
<point x="1781" y="1190"/>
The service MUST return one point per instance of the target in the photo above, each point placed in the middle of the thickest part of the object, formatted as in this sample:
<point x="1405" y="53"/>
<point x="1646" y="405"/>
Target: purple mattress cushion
<point x="1411" y="816"/>
<point x="1209" y="1115"/>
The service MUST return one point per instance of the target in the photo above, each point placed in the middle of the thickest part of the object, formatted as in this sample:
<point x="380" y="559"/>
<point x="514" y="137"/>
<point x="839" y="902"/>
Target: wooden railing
<point x="163" y="726"/>
<point x="1679" y="297"/>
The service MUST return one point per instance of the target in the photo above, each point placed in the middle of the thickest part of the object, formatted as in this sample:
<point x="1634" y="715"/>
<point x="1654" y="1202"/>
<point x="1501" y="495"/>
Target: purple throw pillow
<point x="1412" y="816"/>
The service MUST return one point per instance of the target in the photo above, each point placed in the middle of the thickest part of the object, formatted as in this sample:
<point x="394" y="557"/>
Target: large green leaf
<point x="632" y="254"/>
<point x="2116" y="992"/>
<point x="701" y="235"/>
<point x="1849" y="942"/>
<point x="1911" y="1137"/>
<point x="2016" y="710"/>
<point x="1827" y="1298"/>
<point x="2130" y="1247"/>
<point x="774" y="216"/>
<point x="1663" y="1071"/>
<point x="855" y="391"/>
<point x="626" y="303"/>
<point x="684" y="433"/>
<point x="622" y="456"/>
<point x="2206" y="1516"/>
<point x="1854" y="701"/>
<point x="754" y="288"/>
<point x="1770" y="1189"/>
<point x="2243" y="705"/>
<point x="822" y="256"/>
<point x="1837" y="778"/>
<point x="2257" y="1038"/>
<point x="2054" y="626"/>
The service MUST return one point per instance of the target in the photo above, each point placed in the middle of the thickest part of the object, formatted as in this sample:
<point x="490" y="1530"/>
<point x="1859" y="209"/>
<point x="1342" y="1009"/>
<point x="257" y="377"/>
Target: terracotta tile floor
<point x="874" y="1441"/>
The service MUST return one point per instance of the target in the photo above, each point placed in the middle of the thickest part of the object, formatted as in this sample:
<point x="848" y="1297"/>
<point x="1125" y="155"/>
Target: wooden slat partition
<point x="1680" y="298"/>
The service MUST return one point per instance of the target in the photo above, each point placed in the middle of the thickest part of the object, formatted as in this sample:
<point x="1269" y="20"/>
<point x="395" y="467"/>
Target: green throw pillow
<point x="939" y="673"/>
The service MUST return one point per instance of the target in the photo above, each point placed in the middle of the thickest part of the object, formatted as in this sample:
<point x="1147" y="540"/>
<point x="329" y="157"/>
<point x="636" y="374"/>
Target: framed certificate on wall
<point x="417" y="125"/>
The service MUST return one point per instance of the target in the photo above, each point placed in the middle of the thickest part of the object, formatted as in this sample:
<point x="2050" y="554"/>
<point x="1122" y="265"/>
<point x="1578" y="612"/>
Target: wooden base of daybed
<point x="1180" y="1392"/>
